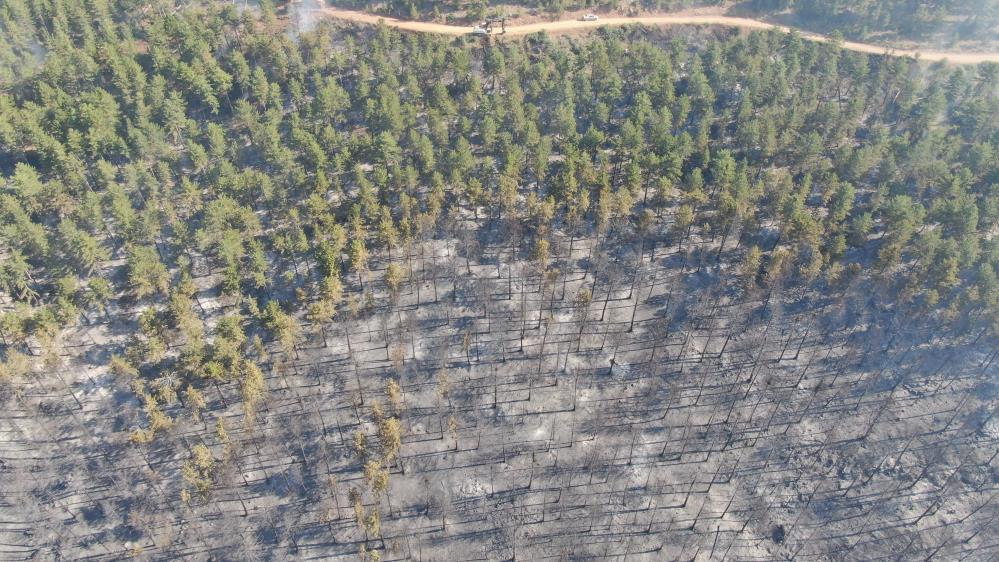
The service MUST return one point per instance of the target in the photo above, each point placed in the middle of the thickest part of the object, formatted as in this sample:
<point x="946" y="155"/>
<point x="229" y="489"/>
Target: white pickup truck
<point x="590" y="17"/>
<point x="479" y="30"/>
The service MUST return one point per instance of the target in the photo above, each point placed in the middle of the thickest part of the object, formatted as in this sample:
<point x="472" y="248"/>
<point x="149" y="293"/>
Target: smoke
<point x="19" y="59"/>
<point x="304" y="15"/>
<point x="247" y="5"/>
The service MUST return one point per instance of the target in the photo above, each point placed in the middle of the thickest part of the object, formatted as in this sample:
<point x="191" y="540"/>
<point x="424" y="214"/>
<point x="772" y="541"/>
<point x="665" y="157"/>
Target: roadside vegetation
<point x="941" y="24"/>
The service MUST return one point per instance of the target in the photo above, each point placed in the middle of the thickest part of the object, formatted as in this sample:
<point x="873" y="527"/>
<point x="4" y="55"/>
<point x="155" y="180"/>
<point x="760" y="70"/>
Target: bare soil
<point x="699" y="18"/>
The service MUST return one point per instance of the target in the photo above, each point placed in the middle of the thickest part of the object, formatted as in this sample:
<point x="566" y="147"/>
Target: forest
<point x="646" y="294"/>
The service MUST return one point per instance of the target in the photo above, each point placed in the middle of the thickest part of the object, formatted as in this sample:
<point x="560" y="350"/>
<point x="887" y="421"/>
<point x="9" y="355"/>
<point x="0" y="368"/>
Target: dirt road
<point x="572" y="25"/>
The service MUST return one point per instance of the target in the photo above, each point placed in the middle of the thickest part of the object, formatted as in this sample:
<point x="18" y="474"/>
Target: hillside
<point x="644" y="294"/>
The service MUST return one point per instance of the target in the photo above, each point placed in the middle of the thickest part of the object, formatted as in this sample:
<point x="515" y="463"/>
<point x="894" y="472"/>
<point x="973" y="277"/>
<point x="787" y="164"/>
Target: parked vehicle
<point x="590" y="17"/>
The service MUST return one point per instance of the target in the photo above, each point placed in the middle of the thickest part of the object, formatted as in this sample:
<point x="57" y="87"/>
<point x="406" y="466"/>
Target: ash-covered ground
<point x="640" y="403"/>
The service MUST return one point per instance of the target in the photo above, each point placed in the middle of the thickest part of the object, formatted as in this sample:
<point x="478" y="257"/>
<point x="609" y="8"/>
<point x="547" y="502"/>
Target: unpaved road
<point x="572" y="25"/>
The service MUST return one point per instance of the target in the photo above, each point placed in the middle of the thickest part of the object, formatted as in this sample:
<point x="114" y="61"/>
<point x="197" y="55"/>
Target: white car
<point x="590" y="17"/>
<point x="479" y="30"/>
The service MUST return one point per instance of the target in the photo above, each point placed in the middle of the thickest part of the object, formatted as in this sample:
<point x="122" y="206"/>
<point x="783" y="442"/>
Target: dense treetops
<point x="150" y="147"/>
